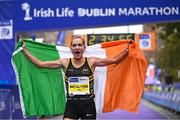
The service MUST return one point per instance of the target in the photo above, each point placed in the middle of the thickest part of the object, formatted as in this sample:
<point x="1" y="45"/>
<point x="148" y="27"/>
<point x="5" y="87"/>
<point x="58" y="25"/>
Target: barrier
<point x="10" y="107"/>
<point x="166" y="99"/>
<point x="5" y="104"/>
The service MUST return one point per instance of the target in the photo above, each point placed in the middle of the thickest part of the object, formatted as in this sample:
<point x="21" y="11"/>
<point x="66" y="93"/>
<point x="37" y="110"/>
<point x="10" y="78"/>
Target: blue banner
<point x="70" y="14"/>
<point x="7" y="42"/>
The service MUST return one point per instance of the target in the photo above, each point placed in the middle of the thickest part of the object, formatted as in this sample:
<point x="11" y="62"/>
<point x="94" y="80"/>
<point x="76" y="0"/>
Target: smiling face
<point x="77" y="47"/>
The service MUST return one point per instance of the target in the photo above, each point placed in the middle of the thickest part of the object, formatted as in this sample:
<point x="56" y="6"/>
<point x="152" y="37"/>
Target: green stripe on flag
<point x="42" y="88"/>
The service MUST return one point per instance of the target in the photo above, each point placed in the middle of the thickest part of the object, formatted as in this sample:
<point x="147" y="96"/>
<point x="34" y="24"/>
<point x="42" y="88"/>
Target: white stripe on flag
<point x="99" y="76"/>
<point x="64" y="52"/>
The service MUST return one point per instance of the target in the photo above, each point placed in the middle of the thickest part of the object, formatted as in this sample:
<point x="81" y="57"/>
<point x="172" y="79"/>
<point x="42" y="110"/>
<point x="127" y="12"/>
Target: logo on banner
<point x="6" y="29"/>
<point x="145" y="41"/>
<point x="26" y="8"/>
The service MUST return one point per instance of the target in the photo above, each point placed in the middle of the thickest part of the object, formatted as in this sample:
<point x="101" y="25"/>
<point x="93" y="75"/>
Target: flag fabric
<point x="41" y="90"/>
<point x="117" y="86"/>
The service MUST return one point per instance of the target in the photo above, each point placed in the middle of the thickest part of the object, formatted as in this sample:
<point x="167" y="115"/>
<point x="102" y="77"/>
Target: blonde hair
<point x="77" y="36"/>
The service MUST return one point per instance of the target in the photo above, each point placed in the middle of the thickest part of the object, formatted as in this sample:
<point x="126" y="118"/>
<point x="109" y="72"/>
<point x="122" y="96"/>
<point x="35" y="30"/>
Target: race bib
<point x="78" y="86"/>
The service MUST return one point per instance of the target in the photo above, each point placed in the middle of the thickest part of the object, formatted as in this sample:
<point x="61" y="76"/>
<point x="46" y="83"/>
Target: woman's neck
<point x="78" y="62"/>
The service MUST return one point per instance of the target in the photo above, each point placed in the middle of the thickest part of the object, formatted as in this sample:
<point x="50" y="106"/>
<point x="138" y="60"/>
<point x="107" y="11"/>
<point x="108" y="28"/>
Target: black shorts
<point x="84" y="109"/>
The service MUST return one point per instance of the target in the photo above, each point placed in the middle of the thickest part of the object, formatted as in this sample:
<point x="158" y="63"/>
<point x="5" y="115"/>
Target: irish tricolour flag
<point x="117" y="86"/>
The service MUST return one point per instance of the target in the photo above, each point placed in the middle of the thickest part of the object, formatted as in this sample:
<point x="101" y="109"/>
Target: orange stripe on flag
<point x="114" y="43"/>
<point x="125" y="81"/>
